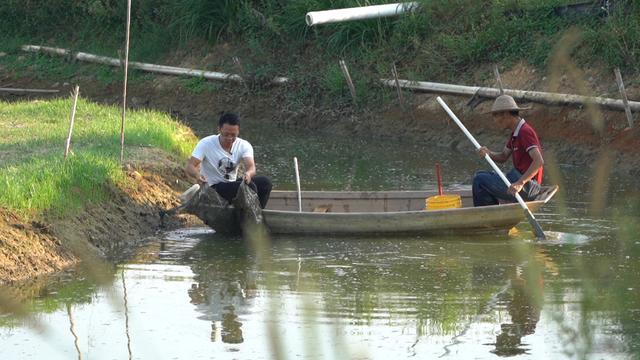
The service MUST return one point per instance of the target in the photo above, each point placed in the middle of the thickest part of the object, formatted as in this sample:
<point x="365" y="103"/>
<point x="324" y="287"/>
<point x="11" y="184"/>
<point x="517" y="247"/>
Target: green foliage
<point x="333" y="81"/>
<point x="617" y="38"/>
<point x="200" y="85"/>
<point x="35" y="177"/>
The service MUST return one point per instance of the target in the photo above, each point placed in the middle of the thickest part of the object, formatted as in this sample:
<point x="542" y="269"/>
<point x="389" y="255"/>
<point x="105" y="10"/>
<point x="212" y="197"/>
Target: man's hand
<point x="202" y="180"/>
<point x="483" y="150"/>
<point x="515" y="188"/>
<point x="247" y="177"/>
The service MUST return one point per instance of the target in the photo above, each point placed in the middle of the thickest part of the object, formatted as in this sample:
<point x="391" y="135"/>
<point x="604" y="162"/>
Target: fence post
<point x="352" y="88"/>
<point x="75" y="93"/>
<point x="124" y="87"/>
<point x="394" y="71"/>
<point x="498" y="79"/>
<point x="625" y="100"/>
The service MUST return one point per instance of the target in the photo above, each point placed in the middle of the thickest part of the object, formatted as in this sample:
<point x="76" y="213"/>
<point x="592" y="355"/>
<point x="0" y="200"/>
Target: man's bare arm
<point x="536" y="164"/>
<point x="193" y="169"/>
<point x="250" y="169"/>
<point x="499" y="157"/>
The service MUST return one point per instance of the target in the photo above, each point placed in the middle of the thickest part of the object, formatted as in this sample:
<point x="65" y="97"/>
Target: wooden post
<point x="394" y="71"/>
<point x="295" y="167"/>
<point x="243" y="74"/>
<point x="498" y="79"/>
<point x="352" y="88"/>
<point x="625" y="100"/>
<point x="124" y="86"/>
<point x="75" y="93"/>
<point x="238" y="64"/>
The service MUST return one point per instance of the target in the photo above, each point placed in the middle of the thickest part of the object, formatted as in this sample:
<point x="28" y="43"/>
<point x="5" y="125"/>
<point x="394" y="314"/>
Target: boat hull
<point x="372" y="213"/>
<point x="450" y="221"/>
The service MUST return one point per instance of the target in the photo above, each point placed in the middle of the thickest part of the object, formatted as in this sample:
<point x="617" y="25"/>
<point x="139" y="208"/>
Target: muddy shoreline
<point x="110" y="230"/>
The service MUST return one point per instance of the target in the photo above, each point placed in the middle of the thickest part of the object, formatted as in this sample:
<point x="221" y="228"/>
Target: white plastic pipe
<point x="358" y="13"/>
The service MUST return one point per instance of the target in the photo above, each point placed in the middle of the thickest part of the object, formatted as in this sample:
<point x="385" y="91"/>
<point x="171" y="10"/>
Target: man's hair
<point x="228" y="118"/>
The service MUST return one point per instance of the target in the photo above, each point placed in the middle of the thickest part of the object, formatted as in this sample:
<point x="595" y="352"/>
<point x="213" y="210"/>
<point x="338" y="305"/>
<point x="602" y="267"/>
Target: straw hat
<point x="505" y="103"/>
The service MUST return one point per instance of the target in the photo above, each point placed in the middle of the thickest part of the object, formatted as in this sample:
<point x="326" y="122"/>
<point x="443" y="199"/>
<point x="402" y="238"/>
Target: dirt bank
<point x="108" y="230"/>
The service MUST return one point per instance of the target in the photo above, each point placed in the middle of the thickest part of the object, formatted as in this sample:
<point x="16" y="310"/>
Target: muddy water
<point x="192" y="294"/>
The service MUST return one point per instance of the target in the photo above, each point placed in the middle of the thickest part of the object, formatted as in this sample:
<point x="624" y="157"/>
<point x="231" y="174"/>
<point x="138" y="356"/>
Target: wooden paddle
<point x="537" y="230"/>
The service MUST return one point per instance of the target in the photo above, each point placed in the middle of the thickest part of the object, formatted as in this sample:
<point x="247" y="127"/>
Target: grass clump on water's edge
<point x="34" y="176"/>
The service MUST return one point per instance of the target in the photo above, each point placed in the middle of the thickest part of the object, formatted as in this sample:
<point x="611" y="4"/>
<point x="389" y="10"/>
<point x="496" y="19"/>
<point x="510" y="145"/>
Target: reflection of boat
<point x="367" y="212"/>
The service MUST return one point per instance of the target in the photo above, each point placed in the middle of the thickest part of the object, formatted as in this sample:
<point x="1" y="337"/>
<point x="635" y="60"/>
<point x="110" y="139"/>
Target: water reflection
<point x="224" y="286"/>
<point x="524" y="311"/>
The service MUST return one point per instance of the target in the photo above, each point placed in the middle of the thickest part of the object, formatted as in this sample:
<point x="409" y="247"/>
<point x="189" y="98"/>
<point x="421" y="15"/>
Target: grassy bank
<point x="33" y="174"/>
<point x="442" y="40"/>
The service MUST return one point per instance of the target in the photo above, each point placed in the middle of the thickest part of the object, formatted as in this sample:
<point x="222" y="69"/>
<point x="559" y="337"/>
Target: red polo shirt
<point x="523" y="139"/>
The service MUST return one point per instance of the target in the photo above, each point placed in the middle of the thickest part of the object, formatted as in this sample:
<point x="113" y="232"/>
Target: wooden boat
<point x="371" y="212"/>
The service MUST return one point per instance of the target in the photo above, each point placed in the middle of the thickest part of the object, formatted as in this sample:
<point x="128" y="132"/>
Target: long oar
<point x="532" y="220"/>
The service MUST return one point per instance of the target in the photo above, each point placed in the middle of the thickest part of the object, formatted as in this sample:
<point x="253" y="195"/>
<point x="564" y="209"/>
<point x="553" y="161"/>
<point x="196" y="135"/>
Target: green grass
<point x="33" y="174"/>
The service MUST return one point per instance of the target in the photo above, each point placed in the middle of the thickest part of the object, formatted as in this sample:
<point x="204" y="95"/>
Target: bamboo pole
<point x="124" y="84"/>
<point x="160" y="69"/>
<point x="522" y="95"/>
<point x="75" y="93"/>
<point x="18" y="91"/>
<point x="345" y="72"/>
<point x="625" y="100"/>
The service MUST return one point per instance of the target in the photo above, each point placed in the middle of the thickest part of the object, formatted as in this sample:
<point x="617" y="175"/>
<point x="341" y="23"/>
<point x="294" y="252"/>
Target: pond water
<point x="194" y="294"/>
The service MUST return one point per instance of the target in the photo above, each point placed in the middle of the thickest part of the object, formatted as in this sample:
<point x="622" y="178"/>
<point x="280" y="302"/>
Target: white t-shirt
<point x="218" y="165"/>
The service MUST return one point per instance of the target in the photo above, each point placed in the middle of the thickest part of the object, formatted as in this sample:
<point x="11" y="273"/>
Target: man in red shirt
<point x="523" y="147"/>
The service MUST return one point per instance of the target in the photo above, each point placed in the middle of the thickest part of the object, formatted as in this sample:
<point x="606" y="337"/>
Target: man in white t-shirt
<point x="215" y="161"/>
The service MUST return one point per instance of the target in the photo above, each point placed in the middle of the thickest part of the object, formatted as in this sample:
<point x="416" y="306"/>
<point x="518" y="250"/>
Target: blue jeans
<point x="488" y="188"/>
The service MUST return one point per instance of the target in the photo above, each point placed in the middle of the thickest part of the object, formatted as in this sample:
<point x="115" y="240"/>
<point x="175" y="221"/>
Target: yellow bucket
<point x="440" y="202"/>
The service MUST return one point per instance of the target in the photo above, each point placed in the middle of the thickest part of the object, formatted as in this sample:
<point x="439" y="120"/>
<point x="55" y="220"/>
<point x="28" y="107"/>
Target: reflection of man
<point x="221" y="299"/>
<point x="524" y="307"/>
<point x="231" y="327"/>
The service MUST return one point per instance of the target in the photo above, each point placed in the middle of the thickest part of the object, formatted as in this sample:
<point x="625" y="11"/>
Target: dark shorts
<point x="260" y="184"/>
